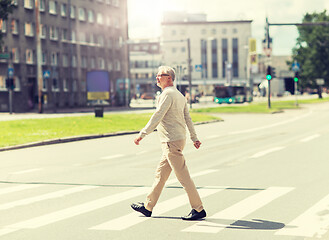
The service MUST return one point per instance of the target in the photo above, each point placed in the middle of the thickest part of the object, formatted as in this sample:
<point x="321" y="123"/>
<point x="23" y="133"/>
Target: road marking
<point x="27" y="171"/>
<point x="212" y="137"/>
<point x="238" y="210"/>
<point x="263" y="153"/>
<point x="57" y="194"/>
<point x="310" y="138"/>
<point x="140" y="153"/>
<point x="18" y="188"/>
<point x="134" y="218"/>
<point x="271" y="125"/>
<point x="111" y="157"/>
<point x="83" y="208"/>
<point x="313" y="223"/>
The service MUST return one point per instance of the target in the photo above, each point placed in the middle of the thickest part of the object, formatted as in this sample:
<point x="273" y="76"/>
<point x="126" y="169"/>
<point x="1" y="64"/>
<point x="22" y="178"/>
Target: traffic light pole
<point x="39" y="56"/>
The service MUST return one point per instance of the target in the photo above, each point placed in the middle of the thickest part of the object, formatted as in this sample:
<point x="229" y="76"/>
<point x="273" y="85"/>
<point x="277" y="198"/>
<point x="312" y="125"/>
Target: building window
<point x="224" y="56"/>
<point x="90" y="16"/>
<point x="108" y="21"/>
<point x="101" y="41"/>
<point x="3" y="82"/>
<point x="116" y="23"/>
<point x="213" y="31"/>
<point x="82" y="37"/>
<point x="92" y="63"/>
<point x="52" y="7"/>
<point x="214" y="57"/>
<point x="100" y="18"/>
<point x="3" y="25"/>
<point x="203" y="31"/>
<point x="183" y="49"/>
<point x="173" y="50"/>
<point x="45" y="84"/>
<point x="115" y="3"/>
<point x="234" y="30"/>
<point x="63" y="10"/>
<point x="84" y="62"/>
<point x="204" y="59"/>
<point x="65" y="34"/>
<point x="74" y="85"/>
<point x="53" y="59"/>
<point x="235" y="64"/>
<point x="65" y="60"/>
<point x="74" y="61"/>
<point x="29" y="56"/>
<point x="55" y="87"/>
<point x="82" y="14"/>
<point x="17" y="84"/>
<point x="15" y="55"/>
<point x="28" y="4"/>
<point x="72" y="12"/>
<point x="29" y="29"/>
<point x="110" y="66"/>
<point x="42" y="5"/>
<point x="43" y="32"/>
<point x="117" y="65"/>
<point x="53" y="33"/>
<point x="224" y="30"/>
<point x="14" y="26"/>
<point x="65" y="85"/>
<point x="101" y="63"/>
<point x="44" y="58"/>
<point x="73" y="36"/>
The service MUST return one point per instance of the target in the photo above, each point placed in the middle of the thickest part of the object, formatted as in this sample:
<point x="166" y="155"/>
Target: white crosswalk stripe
<point x="239" y="210"/>
<point x="134" y="218"/>
<point x="313" y="223"/>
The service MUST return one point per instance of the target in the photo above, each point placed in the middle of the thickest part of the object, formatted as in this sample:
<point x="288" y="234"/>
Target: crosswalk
<point x="311" y="222"/>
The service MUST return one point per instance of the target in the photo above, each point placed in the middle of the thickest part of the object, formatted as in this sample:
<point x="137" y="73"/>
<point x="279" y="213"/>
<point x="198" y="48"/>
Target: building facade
<point x="77" y="36"/>
<point x="145" y="58"/>
<point x="218" y="50"/>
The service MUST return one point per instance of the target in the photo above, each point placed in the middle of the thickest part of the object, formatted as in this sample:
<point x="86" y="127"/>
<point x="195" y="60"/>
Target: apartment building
<point x="218" y="49"/>
<point x="77" y="36"/>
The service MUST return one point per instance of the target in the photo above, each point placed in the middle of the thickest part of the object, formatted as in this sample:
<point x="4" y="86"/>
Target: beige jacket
<point x="171" y="117"/>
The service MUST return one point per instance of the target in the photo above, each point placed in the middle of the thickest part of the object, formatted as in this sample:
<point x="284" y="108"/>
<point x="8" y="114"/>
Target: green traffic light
<point x="268" y="77"/>
<point x="296" y="79"/>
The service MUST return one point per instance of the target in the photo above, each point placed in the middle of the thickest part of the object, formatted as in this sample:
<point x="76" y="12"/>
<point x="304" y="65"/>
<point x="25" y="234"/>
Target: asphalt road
<point x="261" y="176"/>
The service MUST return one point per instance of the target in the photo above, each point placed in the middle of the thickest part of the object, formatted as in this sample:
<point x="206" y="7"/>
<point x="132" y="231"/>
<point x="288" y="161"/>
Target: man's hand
<point x="197" y="144"/>
<point x="137" y="140"/>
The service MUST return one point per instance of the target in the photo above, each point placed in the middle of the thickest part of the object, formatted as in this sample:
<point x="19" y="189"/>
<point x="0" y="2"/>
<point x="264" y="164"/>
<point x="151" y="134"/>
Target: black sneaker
<point x="139" y="207"/>
<point x="195" y="215"/>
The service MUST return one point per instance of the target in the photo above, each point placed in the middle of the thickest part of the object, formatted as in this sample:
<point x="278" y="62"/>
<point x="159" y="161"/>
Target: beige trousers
<point x="173" y="158"/>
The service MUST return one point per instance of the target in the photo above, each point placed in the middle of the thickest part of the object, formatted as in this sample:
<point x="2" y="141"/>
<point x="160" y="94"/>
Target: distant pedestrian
<point x="171" y="118"/>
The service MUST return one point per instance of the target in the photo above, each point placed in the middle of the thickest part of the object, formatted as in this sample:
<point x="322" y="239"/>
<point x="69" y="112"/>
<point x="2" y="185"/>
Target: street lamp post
<point x="39" y="55"/>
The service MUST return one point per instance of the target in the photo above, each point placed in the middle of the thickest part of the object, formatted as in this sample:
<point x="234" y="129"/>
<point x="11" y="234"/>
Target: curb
<point x="81" y="138"/>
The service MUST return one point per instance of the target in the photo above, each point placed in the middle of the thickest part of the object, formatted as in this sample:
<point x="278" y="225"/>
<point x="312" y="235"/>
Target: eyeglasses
<point x="161" y="75"/>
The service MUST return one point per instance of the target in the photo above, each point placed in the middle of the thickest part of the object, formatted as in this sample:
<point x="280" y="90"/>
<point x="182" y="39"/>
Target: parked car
<point x="148" y="95"/>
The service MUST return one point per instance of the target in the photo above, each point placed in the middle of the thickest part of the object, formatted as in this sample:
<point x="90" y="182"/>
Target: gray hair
<point x="167" y="70"/>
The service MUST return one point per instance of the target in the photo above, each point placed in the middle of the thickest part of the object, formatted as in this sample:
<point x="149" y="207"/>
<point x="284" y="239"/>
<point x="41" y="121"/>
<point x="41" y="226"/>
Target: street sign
<point x="10" y="72"/>
<point x="320" y="81"/>
<point x="295" y="66"/>
<point x="46" y="74"/>
<point x="198" y="68"/>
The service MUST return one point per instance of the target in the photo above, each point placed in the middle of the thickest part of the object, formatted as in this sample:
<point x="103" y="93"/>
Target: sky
<point x="145" y="16"/>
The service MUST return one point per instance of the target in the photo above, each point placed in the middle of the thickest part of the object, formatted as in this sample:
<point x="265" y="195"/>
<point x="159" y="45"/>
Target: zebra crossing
<point x="311" y="222"/>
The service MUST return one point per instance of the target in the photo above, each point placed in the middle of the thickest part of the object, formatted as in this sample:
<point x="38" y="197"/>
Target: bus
<point x="232" y="94"/>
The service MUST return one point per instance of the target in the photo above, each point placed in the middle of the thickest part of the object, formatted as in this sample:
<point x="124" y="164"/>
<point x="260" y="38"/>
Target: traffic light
<point x="273" y="73"/>
<point x="269" y="73"/>
<point x="296" y="78"/>
<point x="10" y="83"/>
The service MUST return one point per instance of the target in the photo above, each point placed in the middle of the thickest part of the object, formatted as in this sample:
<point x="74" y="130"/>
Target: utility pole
<point x="39" y="56"/>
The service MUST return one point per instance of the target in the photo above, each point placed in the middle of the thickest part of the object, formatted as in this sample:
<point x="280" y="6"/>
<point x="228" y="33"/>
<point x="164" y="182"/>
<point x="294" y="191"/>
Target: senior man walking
<point x="171" y="118"/>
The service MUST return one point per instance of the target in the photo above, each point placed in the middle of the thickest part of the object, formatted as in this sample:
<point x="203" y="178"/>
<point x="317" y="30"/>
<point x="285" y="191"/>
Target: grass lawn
<point x="259" y="107"/>
<point x="33" y="130"/>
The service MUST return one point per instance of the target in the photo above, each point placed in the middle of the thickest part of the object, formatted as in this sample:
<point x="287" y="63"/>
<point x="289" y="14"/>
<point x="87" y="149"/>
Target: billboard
<point x="98" y="85"/>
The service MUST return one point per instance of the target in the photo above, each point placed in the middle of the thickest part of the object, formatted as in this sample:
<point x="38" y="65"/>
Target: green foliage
<point x="6" y="7"/>
<point x="312" y="50"/>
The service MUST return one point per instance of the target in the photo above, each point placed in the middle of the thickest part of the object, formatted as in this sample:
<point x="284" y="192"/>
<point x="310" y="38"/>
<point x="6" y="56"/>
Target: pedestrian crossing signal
<point x="269" y="73"/>
<point x="296" y="78"/>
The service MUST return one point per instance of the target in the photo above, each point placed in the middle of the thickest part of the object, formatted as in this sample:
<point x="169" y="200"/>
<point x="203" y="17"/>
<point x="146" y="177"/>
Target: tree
<point x="312" y="51"/>
<point x="6" y="7"/>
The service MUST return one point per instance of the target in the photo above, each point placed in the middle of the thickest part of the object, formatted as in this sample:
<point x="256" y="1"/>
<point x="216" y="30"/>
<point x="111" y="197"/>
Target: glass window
<point x="65" y="85"/>
<point x="82" y="14"/>
<point x="65" y="60"/>
<point x="52" y="7"/>
<point x="117" y="65"/>
<point x="74" y="61"/>
<point x="44" y="58"/>
<point x="73" y="36"/>
<point x="72" y="12"/>
<point x="14" y="26"/>
<point x="55" y="86"/>
<point x="64" y="34"/>
<point x="42" y="5"/>
<point x="53" y="33"/>
<point x="43" y="32"/>
<point x="53" y="59"/>
<point x="3" y="25"/>
<point x="29" y="56"/>
<point x="28" y="4"/>
<point x="92" y="63"/>
<point x="99" y="18"/>
<point x="15" y="55"/>
<point x="101" y="63"/>
<point x="29" y="29"/>
<point x="63" y="10"/>
<point x="90" y="16"/>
